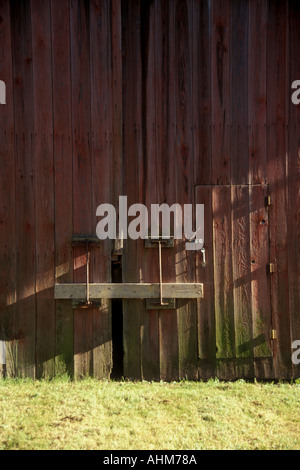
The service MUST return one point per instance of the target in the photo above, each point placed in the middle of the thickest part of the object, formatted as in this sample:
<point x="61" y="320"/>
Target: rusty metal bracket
<point x="155" y="304"/>
<point x="273" y="334"/>
<point x="167" y="242"/>
<point x="270" y="268"/>
<point x="160" y="303"/>
<point x="88" y="302"/>
<point x="85" y="239"/>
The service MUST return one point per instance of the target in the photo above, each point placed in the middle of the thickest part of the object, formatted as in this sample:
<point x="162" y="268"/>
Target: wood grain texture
<point x="151" y="102"/>
<point x="205" y="275"/>
<point x="129" y="290"/>
<point x="165" y="172"/>
<point x="276" y="157"/>
<point x="201" y="104"/>
<point x="132" y="159"/>
<point x="241" y="278"/>
<point x="186" y="312"/>
<point x="25" y="185"/>
<point x="239" y="96"/>
<point x="257" y="93"/>
<point x="82" y="174"/>
<point x="63" y="180"/>
<point x="293" y="181"/>
<point x="223" y="272"/>
<point x="102" y="170"/>
<point x="44" y="188"/>
<point x="221" y="91"/>
<point x="150" y="99"/>
<point x="8" y="257"/>
<point x="260" y="280"/>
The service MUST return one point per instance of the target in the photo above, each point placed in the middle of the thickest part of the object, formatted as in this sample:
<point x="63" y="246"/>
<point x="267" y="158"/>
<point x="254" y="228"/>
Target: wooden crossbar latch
<point x="128" y="290"/>
<point x="157" y="295"/>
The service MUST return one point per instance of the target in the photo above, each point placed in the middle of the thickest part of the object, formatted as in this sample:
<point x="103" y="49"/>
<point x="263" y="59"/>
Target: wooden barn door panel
<point x="234" y="318"/>
<point x="92" y="173"/>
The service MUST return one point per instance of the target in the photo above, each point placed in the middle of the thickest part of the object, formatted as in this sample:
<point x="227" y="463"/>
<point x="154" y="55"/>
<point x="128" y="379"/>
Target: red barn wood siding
<point x="185" y="101"/>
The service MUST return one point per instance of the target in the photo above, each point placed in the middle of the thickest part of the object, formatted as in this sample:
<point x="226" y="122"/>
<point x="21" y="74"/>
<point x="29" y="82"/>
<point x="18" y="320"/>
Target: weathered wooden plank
<point x="277" y="147"/>
<point x="257" y="98"/>
<point x="82" y="173"/>
<point x="205" y="275"/>
<point x="62" y="146"/>
<point x="201" y="104"/>
<point x="25" y="185"/>
<point x="102" y="171"/>
<point x="165" y="173"/>
<point x="221" y="91"/>
<point x="132" y="146"/>
<point x="116" y="101"/>
<point x="152" y="106"/>
<point x="44" y="188"/>
<point x="293" y="181"/>
<point x="186" y="313"/>
<point x="260" y="281"/>
<point x="8" y="280"/>
<point x="128" y="291"/>
<point x="223" y="278"/>
<point x="241" y="279"/>
<point x="239" y="97"/>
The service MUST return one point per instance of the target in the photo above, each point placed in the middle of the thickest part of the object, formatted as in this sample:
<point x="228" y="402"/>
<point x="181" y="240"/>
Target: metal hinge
<point x="268" y="200"/>
<point x="86" y="303"/>
<point x="161" y="303"/>
<point x="273" y="334"/>
<point x="271" y="268"/>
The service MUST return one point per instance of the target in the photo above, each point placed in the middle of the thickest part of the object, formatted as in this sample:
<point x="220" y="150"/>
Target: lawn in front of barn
<point x="123" y="415"/>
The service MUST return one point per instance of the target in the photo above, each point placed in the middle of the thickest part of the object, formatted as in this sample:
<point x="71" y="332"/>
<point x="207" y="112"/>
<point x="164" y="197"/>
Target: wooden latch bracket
<point x="158" y="295"/>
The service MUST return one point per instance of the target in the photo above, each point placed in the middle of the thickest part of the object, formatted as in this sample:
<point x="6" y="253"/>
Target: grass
<point x="89" y="414"/>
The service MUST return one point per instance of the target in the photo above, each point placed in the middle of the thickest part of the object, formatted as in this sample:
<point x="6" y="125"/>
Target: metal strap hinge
<point x="271" y="268"/>
<point x="160" y="303"/>
<point x="268" y="200"/>
<point x="273" y="334"/>
<point x="86" y="302"/>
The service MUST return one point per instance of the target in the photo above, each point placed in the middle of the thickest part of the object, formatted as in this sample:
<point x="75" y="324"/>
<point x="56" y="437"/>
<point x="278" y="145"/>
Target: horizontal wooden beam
<point x="128" y="291"/>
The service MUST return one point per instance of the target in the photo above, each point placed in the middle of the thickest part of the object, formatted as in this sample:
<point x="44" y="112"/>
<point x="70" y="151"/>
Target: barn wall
<point x="163" y="101"/>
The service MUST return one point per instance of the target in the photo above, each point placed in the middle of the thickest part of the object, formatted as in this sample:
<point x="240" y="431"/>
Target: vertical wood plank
<point x="44" y="193"/>
<point x="257" y="101"/>
<point x="223" y="282"/>
<point x="293" y="181"/>
<point x="131" y="158"/>
<point x="100" y="20"/>
<point x="202" y="91"/>
<point x="276" y="147"/>
<point x="63" y="189"/>
<point x="166" y="171"/>
<point x="116" y="101"/>
<point x="239" y="96"/>
<point x="8" y="281"/>
<point x="25" y="185"/>
<point x="82" y="174"/>
<point x="151" y="95"/>
<point x="221" y="91"/>
<point x="205" y="275"/>
<point x="186" y="310"/>
<point x="260" y="281"/>
<point x="241" y="280"/>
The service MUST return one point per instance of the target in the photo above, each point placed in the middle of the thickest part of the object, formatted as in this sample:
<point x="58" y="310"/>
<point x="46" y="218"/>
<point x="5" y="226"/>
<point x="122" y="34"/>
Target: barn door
<point x="234" y="318"/>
